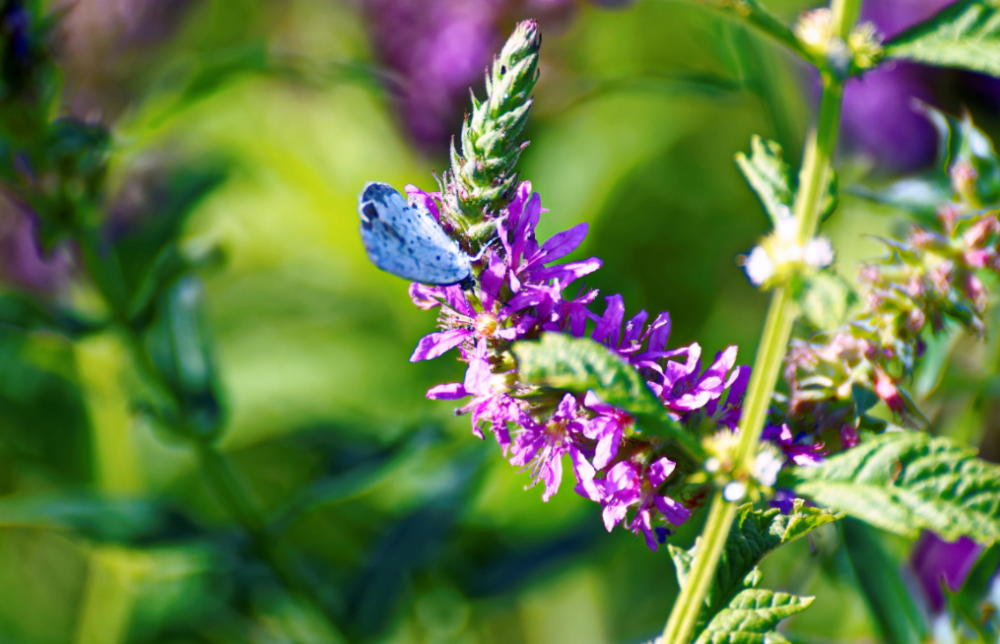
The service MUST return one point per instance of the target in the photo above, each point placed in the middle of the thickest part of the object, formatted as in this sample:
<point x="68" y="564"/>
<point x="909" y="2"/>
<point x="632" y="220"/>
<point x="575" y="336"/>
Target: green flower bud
<point x="483" y="178"/>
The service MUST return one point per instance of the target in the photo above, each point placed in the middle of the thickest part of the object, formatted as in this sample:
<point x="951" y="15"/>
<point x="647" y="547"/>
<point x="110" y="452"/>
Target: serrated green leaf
<point x="580" y="364"/>
<point x="905" y="482"/>
<point x="753" y="535"/>
<point x="772" y="181"/>
<point x="964" y="35"/>
<point x="769" y="176"/>
<point x="750" y="618"/>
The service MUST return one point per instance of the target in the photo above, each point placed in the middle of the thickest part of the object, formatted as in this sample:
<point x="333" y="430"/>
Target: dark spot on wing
<point x="369" y="213"/>
<point x="379" y="192"/>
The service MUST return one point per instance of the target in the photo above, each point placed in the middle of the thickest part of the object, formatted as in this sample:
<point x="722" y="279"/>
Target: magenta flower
<point x="729" y="413"/>
<point x="682" y="389"/>
<point x="539" y="448"/>
<point x="797" y="452"/>
<point x="490" y="402"/>
<point x="555" y="313"/>
<point x="608" y="331"/>
<point x="625" y="487"/>
<point x="467" y="325"/>
<point x="607" y="428"/>
<point x="525" y="258"/>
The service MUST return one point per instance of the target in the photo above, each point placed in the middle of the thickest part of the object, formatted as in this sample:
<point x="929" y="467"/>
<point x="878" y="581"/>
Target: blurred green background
<point x="263" y="119"/>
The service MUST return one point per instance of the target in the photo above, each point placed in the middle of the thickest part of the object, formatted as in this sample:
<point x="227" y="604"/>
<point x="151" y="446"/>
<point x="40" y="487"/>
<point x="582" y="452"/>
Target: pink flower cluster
<point x="520" y="294"/>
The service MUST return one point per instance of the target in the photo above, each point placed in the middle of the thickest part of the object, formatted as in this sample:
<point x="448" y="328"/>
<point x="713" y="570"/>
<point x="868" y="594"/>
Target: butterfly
<point x="405" y="240"/>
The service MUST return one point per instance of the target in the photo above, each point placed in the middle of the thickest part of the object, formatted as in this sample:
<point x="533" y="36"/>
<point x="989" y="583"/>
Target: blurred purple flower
<point x="935" y="560"/>
<point x="878" y="115"/>
<point x="437" y="49"/>
<point x="21" y="260"/>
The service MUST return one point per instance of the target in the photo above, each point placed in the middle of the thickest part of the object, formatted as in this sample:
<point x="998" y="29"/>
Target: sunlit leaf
<point x="965" y="34"/>
<point x="769" y="176"/>
<point x="904" y="482"/>
<point x="751" y="617"/>
<point x="580" y="364"/>
<point x="754" y="535"/>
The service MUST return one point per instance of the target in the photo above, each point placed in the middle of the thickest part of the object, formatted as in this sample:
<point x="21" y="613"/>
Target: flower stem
<point x="688" y="605"/>
<point x="815" y="173"/>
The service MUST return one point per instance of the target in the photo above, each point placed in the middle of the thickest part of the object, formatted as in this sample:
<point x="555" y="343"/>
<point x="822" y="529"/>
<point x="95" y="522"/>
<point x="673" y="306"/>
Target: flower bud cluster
<point x="780" y="256"/>
<point x="930" y="278"/>
<point x="816" y="31"/>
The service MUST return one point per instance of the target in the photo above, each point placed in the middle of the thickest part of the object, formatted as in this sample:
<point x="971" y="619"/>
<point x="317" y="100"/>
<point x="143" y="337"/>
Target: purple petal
<point x="448" y="391"/>
<point x="659" y="332"/>
<point x="660" y="470"/>
<point x="478" y="375"/>
<point x="552" y="475"/>
<point x="425" y="297"/>
<point x="672" y="510"/>
<point x="591" y="401"/>
<point x="633" y="328"/>
<point x="613" y="514"/>
<point x="567" y="273"/>
<point x="424" y="199"/>
<point x="492" y="279"/>
<point x="564" y="243"/>
<point x="609" y="328"/>
<point x="607" y="446"/>
<point x="435" y="344"/>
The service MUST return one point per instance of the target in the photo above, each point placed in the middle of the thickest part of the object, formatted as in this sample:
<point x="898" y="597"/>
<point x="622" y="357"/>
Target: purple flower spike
<point x="540" y="448"/>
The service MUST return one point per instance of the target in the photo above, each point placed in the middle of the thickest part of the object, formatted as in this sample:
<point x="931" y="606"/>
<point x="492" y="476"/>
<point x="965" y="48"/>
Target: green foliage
<point x="96" y="518"/>
<point x="824" y="300"/>
<point x="877" y="576"/>
<point x="753" y="535"/>
<point x="181" y="353"/>
<point x="774" y="184"/>
<point x="580" y="364"/>
<point x="965" y="34"/>
<point x="483" y="175"/>
<point x="751" y="617"/>
<point x="967" y="156"/>
<point x="769" y="176"/>
<point x="970" y="606"/>
<point x="905" y="482"/>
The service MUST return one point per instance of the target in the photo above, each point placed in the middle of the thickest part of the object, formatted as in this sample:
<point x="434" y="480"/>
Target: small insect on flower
<point x="407" y="241"/>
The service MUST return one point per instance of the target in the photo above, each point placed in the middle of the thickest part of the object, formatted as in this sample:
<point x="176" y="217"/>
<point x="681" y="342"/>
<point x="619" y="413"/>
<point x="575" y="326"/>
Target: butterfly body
<point x="407" y="241"/>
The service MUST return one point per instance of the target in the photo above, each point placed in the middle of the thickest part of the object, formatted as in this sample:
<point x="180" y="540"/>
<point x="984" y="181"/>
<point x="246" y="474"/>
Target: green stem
<point x="752" y="13"/>
<point x="692" y="597"/>
<point x="816" y="169"/>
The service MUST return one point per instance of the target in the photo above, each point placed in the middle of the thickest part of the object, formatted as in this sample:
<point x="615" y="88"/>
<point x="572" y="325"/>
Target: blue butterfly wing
<point x="407" y="241"/>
